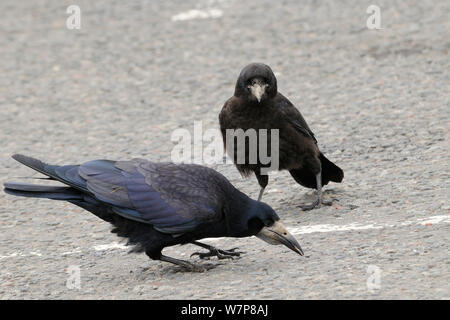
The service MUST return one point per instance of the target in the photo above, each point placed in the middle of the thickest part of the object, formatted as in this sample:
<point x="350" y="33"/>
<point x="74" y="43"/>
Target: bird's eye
<point x="268" y="222"/>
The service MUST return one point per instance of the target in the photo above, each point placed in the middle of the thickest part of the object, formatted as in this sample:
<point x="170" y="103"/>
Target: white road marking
<point x="110" y="246"/>
<point x="332" y="228"/>
<point x="71" y="252"/>
<point x="21" y="254"/>
<point x="320" y="228"/>
<point x="357" y="227"/>
<point x="435" y="219"/>
<point x="198" y="14"/>
<point x="11" y="255"/>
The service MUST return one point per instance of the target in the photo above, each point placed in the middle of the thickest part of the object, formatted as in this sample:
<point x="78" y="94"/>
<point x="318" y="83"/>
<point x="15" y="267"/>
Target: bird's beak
<point x="258" y="90"/>
<point x="277" y="234"/>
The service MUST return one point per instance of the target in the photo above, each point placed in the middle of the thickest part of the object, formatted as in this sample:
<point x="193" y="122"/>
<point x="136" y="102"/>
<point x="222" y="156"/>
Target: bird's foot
<point x="189" y="266"/>
<point x="316" y="205"/>
<point x="219" y="253"/>
<point x="192" y="267"/>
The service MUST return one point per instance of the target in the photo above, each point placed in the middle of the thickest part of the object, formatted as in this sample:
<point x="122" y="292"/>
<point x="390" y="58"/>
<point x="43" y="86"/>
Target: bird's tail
<point x="74" y="191"/>
<point x="330" y="171"/>
<point x="37" y="165"/>
<point x="42" y="191"/>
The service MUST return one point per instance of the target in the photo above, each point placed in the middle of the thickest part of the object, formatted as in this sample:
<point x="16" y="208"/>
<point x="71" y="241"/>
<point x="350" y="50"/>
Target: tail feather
<point x="65" y="174"/>
<point x="75" y="190"/>
<point x="41" y="191"/>
<point x="330" y="172"/>
<point x="19" y="186"/>
<point x="37" y="165"/>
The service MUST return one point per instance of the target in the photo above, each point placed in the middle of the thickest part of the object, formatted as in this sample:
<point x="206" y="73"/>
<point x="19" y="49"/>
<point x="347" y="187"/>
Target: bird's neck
<point x="237" y="212"/>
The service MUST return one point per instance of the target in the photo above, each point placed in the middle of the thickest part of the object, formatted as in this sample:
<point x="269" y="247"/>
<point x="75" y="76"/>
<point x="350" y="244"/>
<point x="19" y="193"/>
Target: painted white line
<point x="332" y="228"/>
<point x="67" y="253"/>
<point x="319" y="228"/>
<point x="11" y="255"/>
<point x="357" y="227"/>
<point x="21" y="254"/>
<point x="435" y="219"/>
<point x="111" y="246"/>
<point x="198" y="14"/>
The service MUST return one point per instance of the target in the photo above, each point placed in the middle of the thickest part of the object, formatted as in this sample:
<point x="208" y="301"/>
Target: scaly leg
<point x="319" y="201"/>
<point x="261" y="191"/>
<point x="186" y="264"/>
<point x="263" y="180"/>
<point x="214" y="252"/>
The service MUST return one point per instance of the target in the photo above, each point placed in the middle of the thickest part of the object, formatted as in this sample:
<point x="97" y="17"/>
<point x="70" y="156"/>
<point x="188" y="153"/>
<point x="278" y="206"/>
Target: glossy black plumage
<point x="154" y="205"/>
<point x="266" y="108"/>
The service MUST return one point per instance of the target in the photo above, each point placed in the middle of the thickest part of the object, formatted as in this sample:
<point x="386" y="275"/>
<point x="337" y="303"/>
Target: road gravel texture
<point x="377" y="100"/>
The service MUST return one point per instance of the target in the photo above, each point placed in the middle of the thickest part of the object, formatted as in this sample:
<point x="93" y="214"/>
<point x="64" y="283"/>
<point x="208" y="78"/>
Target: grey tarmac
<point x="378" y="102"/>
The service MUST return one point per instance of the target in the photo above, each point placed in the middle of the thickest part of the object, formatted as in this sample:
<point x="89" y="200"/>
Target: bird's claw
<point x="219" y="253"/>
<point x="316" y="205"/>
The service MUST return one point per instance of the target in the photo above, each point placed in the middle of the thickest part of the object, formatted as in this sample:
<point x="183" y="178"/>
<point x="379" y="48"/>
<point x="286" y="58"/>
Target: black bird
<point x="257" y="104"/>
<point x="157" y="205"/>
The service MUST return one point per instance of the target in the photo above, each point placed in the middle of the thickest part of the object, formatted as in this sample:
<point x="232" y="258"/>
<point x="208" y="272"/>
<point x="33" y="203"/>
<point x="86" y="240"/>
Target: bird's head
<point x="256" y="83"/>
<point x="264" y="223"/>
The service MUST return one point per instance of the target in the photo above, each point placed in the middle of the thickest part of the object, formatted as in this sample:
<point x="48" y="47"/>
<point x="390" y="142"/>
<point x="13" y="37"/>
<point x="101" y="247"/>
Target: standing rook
<point x="257" y="104"/>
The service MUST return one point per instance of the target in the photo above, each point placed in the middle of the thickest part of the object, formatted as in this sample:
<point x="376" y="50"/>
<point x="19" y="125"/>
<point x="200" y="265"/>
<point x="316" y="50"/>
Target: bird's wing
<point x="224" y="121"/>
<point x="295" y="118"/>
<point x="172" y="199"/>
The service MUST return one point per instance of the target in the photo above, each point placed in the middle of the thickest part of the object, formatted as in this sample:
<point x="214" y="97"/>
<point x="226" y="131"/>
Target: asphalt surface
<point x="378" y="102"/>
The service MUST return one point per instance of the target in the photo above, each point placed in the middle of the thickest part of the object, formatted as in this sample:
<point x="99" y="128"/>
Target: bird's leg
<point x="263" y="180"/>
<point x="215" y="252"/>
<point x="319" y="201"/>
<point x="186" y="264"/>
<point x="261" y="191"/>
<point x="155" y="254"/>
<point x="319" y="189"/>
